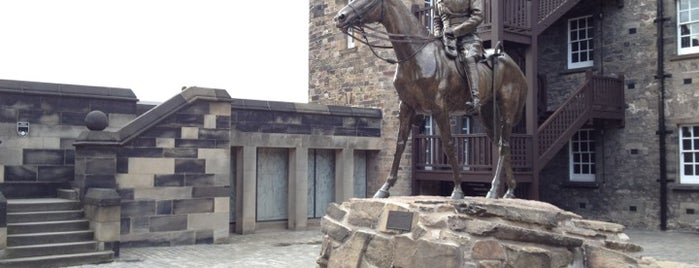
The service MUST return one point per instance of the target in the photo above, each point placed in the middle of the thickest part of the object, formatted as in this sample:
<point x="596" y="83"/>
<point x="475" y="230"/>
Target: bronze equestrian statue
<point x="429" y="81"/>
<point x="456" y="21"/>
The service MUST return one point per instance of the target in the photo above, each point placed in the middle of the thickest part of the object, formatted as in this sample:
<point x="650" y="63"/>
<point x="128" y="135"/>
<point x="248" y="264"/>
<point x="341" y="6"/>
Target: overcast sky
<point x="253" y="49"/>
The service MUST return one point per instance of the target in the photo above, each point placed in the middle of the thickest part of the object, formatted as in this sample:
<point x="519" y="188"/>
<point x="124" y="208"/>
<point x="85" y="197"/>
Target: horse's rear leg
<point x="448" y="147"/>
<point x="494" y="191"/>
<point x="504" y="161"/>
<point x="406" y="117"/>
<point x="506" y="154"/>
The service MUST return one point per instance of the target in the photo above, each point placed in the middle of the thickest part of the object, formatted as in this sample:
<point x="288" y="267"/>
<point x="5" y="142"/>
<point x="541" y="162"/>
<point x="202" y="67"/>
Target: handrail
<point x="474" y="152"/>
<point x="599" y="97"/>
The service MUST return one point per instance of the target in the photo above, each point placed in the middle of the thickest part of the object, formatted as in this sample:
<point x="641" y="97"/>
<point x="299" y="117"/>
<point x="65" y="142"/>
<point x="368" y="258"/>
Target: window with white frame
<point x="465" y="128"/>
<point x="429" y="15"/>
<point x="580" y="42"/>
<point x="687" y="26"/>
<point x="582" y="156"/>
<point x="689" y="154"/>
<point x="430" y="145"/>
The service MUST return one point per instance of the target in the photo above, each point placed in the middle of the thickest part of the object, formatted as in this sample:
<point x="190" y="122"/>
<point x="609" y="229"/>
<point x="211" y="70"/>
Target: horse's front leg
<point x="406" y="117"/>
<point x="442" y="119"/>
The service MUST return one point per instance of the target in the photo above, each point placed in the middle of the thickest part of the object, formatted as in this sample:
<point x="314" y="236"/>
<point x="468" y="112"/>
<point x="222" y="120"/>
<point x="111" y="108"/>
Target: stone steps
<point x="51" y="249"/>
<point x="49" y="238"/>
<point x="41" y="204"/>
<point x="50" y="232"/>
<point x="41" y="216"/>
<point x="55" y="226"/>
<point x="63" y="260"/>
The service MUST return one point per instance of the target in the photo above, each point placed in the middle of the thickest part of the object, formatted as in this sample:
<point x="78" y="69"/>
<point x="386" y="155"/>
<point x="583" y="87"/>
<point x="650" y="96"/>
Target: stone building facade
<point x="621" y="41"/>
<point x="186" y="171"/>
<point x="627" y="188"/>
<point x="347" y="73"/>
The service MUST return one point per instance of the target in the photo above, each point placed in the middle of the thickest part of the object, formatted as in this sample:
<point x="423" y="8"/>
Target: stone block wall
<point x="171" y="168"/>
<point x="305" y="119"/>
<point x="36" y="164"/>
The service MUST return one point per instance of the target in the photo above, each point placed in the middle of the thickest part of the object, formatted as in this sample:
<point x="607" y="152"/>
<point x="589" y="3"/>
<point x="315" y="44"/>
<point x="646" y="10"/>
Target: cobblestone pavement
<point x="267" y="249"/>
<point x="301" y="248"/>
<point x="667" y="246"/>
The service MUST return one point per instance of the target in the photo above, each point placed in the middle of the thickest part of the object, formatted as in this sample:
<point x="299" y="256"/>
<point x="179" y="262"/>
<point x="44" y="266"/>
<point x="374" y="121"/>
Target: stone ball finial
<point x="96" y="120"/>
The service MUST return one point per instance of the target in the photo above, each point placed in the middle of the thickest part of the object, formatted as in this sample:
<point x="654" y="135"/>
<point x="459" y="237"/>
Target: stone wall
<point x="36" y="164"/>
<point x="307" y="119"/>
<point x="355" y="77"/>
<point x="171" y="167"/>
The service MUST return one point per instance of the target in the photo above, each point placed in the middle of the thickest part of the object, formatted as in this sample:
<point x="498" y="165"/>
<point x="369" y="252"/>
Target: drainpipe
<point x="662" y="130"/>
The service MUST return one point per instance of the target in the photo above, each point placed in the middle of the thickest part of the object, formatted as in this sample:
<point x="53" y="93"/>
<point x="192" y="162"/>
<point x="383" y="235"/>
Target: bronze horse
<point x="427" y="81"/>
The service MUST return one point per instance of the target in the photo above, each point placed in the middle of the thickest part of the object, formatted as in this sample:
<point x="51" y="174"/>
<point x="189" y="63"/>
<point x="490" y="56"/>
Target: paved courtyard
<point x="300" y="249"/>
<point x="266" y="249"/>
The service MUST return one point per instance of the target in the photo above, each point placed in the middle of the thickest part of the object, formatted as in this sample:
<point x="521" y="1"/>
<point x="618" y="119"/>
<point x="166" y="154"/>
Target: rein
<point x="385" y="36"/>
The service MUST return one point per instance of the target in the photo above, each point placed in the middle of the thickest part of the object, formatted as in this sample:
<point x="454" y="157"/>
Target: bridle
<point x="357" y="23"/>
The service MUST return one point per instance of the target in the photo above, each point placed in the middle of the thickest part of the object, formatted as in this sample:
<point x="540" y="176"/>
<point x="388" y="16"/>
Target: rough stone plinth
<point x="473" y="232"/>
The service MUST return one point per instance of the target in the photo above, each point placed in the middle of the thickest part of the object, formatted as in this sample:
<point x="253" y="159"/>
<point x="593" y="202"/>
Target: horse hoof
<point x="491" y="195"/>
<point x="381" y="194"/>
<point x="509" y="196"/>
<point x="457" y="195"/>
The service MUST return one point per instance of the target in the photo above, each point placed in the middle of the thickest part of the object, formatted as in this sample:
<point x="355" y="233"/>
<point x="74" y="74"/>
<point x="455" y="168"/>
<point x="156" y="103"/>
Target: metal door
<point x="321" y="181"/>
<point x="360" y="172"/>
<point x="272" y="184"/>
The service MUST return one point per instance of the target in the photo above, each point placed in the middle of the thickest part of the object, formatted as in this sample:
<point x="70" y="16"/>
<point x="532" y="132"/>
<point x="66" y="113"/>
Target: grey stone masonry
<point x="170" y="167"/>
<point x="627" y="160"/>
<point x="36" y="164"/>
<point x="103" y="210"/>
<point x="300" y="118"/>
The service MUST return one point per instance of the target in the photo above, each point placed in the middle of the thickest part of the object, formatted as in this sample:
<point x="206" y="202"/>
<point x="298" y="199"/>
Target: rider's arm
<point x="469" y="26"/>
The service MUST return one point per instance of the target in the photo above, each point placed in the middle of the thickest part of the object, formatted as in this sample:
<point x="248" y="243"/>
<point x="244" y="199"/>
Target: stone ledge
<point x="93" y="92"/>
<point x="102" y="197"/>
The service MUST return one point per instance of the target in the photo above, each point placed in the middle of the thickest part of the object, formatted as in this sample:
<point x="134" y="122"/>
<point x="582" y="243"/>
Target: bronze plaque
<point x="399" y="220"/>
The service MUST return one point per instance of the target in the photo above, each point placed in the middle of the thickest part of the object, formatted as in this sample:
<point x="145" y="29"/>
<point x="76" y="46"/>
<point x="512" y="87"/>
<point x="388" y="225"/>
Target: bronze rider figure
<point x="456" y="22"/>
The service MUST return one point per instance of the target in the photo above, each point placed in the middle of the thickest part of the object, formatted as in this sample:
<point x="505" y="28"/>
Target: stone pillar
<point x="298" y="188"/>
<point x="95" y="154"/>
<point x="344" y="174"/>
<point x="103" y="210"/>
<point x="3" y="224"/>
<point x="246" y="181"/>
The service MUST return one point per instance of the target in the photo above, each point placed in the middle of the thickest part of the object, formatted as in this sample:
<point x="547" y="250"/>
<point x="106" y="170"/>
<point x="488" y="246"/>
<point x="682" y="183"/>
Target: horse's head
<point x="359" y="12"/>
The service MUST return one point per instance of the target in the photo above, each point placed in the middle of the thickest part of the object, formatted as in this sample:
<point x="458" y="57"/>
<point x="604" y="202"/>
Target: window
<point x="688" y="26"/>
<point x="582" y="156"/>
<point x="465" y="128"/>
<point x="430" y="145"/>
<point x="428" y="15"/>
<point x="689" y="154"/>
<point x="580" y="45"/>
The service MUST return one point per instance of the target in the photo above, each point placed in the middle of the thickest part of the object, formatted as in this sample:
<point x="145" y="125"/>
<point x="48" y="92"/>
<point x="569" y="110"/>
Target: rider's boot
<point x="475" y="103"/>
